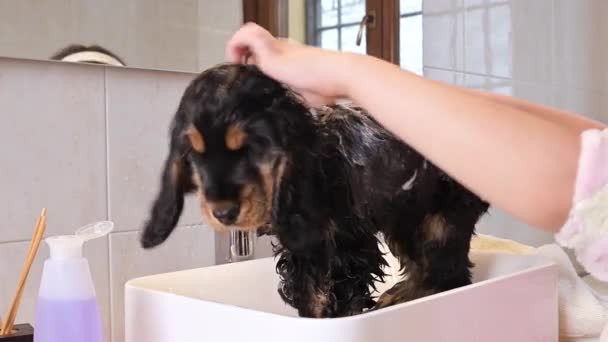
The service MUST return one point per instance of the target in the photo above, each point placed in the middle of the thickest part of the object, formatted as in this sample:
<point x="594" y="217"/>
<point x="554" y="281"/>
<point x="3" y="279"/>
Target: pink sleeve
<point x="592" y="165"/>
<point x="586" y="230"/>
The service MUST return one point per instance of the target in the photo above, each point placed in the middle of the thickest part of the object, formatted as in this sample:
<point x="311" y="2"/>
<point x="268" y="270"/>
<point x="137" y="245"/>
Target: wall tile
<point x="451" y="77"/>
<point x="141" y="105"/>
<point x="10" y="49"/>
<point x="540" y="94"/>
<point x="263" y="247"/>
<point x="186" y="248"/>
<point x="588" y="103"/>
<point x="222" y="244"/>
<point x="580" y="53"/>
<point x="53" y="136"/>
<point x="488" y="41"/>
<point x="497" y="85"/>
<point x="12" y="256"/>
<point x="532" y="27"/>
<point x="443" y="25"/>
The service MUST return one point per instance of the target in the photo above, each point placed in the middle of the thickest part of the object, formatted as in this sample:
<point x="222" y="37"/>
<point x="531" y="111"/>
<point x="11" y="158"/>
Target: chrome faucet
<point x="242" y="245"/>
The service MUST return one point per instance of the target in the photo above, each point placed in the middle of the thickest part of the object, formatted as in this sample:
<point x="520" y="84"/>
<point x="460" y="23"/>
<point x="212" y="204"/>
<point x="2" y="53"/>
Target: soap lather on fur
<point x="326" y="183"/>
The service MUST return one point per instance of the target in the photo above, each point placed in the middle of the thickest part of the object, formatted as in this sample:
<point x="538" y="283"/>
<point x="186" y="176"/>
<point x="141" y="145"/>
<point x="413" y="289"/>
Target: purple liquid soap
<point x="67" y="321"/>
<point x="67" y="306"/>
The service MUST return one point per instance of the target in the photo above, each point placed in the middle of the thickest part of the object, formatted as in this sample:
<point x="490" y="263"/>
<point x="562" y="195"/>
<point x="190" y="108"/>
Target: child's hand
<point x="312" y="72"/>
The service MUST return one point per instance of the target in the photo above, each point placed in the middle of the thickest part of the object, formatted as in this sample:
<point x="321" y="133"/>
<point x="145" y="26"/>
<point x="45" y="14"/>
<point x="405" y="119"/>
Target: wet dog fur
<point x="325" y="183"/>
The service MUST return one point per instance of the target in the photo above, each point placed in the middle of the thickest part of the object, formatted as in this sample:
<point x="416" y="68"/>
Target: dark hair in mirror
<point x="94" y="54"/>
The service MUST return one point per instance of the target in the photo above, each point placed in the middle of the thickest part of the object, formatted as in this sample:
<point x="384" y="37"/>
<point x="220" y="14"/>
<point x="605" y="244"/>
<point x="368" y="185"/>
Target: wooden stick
<point x="38" y="234"/>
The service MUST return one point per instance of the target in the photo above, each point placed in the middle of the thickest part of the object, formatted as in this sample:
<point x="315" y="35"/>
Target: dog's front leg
<point x="333" y="278"/>
<point x="305" y="269"/>
<point x="328" y="259"/>
<point x="302" y="223"/>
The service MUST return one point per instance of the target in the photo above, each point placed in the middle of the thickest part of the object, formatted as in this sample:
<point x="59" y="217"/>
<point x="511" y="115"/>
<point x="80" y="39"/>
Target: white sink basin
<point x="514" y="298"/>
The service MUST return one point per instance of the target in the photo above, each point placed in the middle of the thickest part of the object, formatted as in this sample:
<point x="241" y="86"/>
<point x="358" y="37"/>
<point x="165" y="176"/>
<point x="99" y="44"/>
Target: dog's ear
<point x="176" y="182"/>
<point x="301" y="210"/>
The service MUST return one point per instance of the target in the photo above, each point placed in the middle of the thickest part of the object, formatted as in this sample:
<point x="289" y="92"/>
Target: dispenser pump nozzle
<point x="70" y="246"/>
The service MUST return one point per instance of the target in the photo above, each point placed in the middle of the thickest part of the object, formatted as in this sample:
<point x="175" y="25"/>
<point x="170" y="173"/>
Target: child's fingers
<point x="237" y="54"/>
<point x="316" y="100"/>
<point x="250" y="38"/>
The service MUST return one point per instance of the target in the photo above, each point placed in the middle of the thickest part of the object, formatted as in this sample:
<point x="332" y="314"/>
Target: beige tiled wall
<point x="185" y="35"/>
<point x="547" y="51"/>
<point x="88" y="142"/>
<point x="188" y="247"/>
<point x="137" y="140"/>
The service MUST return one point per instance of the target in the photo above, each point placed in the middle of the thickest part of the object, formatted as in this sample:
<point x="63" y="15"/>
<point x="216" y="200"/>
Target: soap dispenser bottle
<point x="67" y="309"/>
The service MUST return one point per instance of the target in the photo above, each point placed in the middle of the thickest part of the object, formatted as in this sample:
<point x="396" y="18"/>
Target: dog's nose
<point x="228" y="214"/>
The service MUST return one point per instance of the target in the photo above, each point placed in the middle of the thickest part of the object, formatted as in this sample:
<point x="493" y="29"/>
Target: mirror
<point x="180" y="35"/>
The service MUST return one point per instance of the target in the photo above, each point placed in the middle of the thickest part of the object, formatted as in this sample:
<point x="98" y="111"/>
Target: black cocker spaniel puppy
<point x="326" y="183"/>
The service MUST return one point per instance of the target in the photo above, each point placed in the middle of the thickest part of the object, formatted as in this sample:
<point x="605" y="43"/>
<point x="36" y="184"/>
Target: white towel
<point x="583" y="302"/>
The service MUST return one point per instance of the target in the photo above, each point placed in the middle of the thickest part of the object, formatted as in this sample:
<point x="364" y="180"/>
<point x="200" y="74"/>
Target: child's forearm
<point x="518" y="158"/>
<point x="548" y="113"/>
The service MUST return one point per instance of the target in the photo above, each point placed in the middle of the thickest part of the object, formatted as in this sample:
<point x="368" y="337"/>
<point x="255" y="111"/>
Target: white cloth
<point x="583" y="303"/>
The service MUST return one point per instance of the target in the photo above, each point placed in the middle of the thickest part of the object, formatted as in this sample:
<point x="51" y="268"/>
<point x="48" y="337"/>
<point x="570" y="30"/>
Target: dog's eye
<point x="260" y="142"/>
<point x="235" y="138"/>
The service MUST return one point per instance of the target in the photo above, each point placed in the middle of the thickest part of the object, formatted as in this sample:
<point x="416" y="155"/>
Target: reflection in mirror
<point x="88" y="54"/>
<point x="190" y="35"/>
<point x="335" y="24"/>
<point x="182" y="35"/>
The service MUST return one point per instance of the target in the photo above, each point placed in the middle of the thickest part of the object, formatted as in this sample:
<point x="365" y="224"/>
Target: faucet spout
<point x="242" y="245"/>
